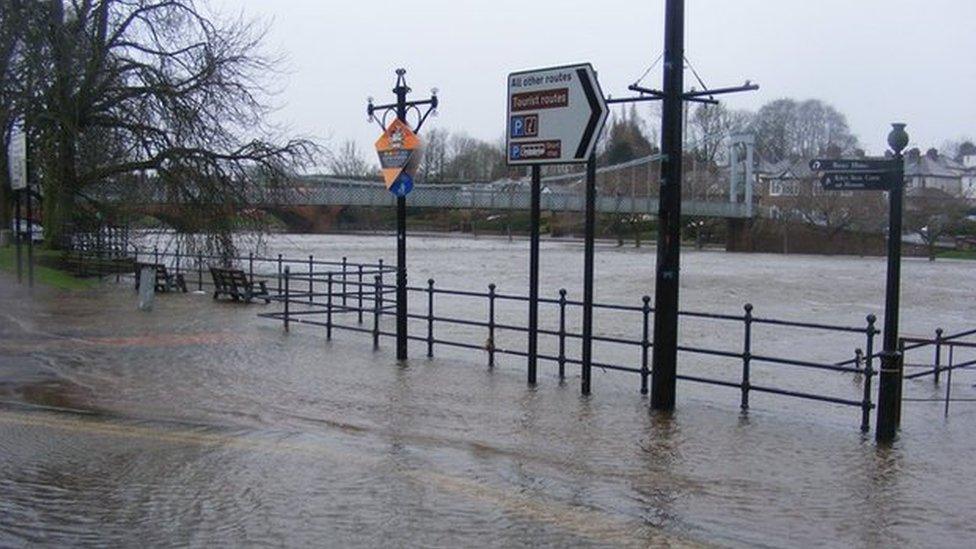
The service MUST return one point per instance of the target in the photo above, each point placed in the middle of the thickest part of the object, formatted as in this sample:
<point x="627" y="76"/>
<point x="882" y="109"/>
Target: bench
<point x="164" y="281"/>
<point x="235" y="284"/>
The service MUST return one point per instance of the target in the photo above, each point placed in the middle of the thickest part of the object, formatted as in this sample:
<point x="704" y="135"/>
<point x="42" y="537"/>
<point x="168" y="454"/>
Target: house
<point x="936" y="171"/>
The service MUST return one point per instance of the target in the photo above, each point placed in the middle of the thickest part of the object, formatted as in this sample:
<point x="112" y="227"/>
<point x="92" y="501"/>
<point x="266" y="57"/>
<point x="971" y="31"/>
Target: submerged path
<point x="200" y="424"/>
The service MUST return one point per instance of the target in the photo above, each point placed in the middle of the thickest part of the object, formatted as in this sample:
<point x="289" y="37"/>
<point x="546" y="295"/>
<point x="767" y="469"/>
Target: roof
<point x="933" y="166"/>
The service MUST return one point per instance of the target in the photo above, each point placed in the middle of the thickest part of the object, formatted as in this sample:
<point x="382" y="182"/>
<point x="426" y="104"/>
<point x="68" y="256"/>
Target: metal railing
<point x="944" y="361"/>
<point x="325" y="293"/>
<point x="329" y="308"/>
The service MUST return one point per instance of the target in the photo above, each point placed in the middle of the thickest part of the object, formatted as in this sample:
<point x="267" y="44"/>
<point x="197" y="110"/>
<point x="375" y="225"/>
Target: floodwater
<point x="201" y="424"/>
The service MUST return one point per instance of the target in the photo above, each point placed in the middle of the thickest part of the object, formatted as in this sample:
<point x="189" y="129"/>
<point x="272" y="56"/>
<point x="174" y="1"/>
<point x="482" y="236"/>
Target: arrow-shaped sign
<point x="859" y="181"/>
<point x="554" y="115"/>
<point x="853" y="165"/>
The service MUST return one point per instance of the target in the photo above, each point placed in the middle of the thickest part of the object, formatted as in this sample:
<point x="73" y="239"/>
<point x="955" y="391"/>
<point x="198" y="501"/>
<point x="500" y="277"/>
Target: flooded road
<point x="200" y="424"/>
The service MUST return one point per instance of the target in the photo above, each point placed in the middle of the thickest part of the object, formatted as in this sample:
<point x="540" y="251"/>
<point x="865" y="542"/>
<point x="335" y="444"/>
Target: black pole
<point x="401" y="91"/>
<point x="669" y="214"/>
<point x="889" y="393"/>
<point x="534" y="271"/>
<point x="589" y="230"/>
<point x="17" y="217"/>
<point x="30" y="233"/>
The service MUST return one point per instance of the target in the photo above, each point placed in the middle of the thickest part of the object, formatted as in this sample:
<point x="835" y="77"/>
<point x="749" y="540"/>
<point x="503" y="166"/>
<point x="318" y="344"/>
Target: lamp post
<point x="378" y="113"/>
<point x="889" y="391"/>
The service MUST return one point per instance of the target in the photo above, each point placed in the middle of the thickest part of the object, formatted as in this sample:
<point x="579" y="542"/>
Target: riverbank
<point x="44" y="272"/>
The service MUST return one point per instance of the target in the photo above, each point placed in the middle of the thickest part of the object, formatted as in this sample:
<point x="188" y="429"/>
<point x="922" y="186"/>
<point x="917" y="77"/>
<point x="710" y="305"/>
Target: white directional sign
<point x="554" y="115"/>
<point x="17" y="160"/>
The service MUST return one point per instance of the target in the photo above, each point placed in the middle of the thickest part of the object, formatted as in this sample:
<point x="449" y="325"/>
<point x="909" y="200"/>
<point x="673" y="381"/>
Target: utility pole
<point x="665" y="349"/>
<point x="400" y="109"/>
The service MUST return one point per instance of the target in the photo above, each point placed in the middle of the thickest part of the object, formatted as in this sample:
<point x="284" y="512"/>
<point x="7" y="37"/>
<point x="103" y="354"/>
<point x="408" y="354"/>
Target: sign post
<point x="399" y="157"/>
<point x="554" y="117"/>
<point x="881" y="174"/>
<point x="19" y="184"/>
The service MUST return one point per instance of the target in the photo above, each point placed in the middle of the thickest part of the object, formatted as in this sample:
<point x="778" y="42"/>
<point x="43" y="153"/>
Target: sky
<point x="877" y="61"/>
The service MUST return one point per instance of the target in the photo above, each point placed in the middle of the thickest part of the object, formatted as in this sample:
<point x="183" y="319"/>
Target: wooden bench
<point x="165" y="282"/>
<point x="235" y="284"/>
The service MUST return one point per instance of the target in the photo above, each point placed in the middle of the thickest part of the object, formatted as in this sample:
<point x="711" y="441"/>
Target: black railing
<point x="944" y="361"/>
<point x="332" y="308"/>
<point x="327" y="293"/>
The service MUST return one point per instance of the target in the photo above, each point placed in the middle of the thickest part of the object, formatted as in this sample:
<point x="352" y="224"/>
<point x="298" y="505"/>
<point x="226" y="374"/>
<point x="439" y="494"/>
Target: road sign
<point x="17" y="160"/>
<point x="399" y="152"/>
<point x="859" y="181"/>
<point x="853" y="165"/>
<point x="402" y="186"/>
<point x="554" y="115"/>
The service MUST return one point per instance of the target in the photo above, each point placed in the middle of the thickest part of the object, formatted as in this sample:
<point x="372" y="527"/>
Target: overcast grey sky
<point x="875" y="60"/>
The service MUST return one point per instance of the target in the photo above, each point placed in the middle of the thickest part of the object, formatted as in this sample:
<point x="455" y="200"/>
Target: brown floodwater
<point x="200" y="424"/>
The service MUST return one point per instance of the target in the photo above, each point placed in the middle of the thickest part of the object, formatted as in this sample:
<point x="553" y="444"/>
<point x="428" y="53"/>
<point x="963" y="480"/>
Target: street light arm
<point x="748" y="86"/>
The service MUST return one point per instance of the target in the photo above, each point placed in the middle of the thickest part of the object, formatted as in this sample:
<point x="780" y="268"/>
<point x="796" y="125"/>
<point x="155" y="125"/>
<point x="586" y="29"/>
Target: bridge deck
<point x="343" y="193"/>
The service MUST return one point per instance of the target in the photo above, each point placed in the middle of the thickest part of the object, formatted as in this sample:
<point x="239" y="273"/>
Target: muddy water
<point x="201" y="424"/>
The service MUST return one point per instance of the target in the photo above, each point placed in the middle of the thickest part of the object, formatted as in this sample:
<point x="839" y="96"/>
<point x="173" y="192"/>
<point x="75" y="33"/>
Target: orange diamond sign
<point x="398" y="149"/>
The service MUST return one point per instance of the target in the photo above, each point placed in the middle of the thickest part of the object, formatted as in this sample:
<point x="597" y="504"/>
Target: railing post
<point x="562" y="333"/>
<point x="200" y="271"/>
<point x="279" y="274"/>
<point x="900" y="382"/>
<point x="287" y="298"/>
<point x="250" y="266"/>
<point x="746" y="355"/>
<point x="377" y="289"/>
<point x="310" y="283"/>
<point x="952" y="348"/>
<point x="868" y="373"/>
<point x="343" y="283"/>
<point x="156" y="255"/>
<point x="938" y="354"/>
<point x="645" y="341"/>
<point x="490" y="344"/>
<point x="380" y="261"/>
<point x="328" y="306"/>
<point x="866" y="399"/>
<point x="360" y="292"/>
<point x="430" y="318"/>
<point x="177" y="260"/>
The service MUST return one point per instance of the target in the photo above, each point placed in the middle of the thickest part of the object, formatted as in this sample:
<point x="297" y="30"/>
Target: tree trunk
<point x="6" y="194"/>
<point x="59" y="192"/>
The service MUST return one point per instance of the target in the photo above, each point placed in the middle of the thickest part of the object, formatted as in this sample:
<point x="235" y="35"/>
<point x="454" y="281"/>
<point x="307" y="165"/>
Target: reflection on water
<point x="199" y="424"/>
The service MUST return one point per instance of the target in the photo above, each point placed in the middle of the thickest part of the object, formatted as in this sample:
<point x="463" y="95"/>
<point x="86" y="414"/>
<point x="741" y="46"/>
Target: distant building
<point x="936" y="171"/>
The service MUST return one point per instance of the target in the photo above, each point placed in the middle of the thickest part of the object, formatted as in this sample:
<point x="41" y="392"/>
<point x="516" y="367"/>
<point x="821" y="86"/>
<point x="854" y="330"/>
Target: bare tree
<point x="349" y="162"/>
<point x="162" y="92"/>
<point x="435" y="160"/>
<point x="13" y="47"/>
<point x="788" y="129"/>
<point x="933" y="214"/>
<point x="835" y="212"/>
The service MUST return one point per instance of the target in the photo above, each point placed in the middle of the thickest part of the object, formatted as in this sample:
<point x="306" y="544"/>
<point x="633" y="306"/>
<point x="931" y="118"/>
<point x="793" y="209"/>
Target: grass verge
<point x="44" y="274"/>
<point x="957" y="254"/>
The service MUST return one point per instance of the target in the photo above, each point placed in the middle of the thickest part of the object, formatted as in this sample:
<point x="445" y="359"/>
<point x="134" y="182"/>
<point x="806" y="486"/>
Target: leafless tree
<point x="789" y="129"/>
<point x="349" y="162"/>
<point x="933" y="214"/>
<point x="836" y="212"/>
<point x="160" y="91"/>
